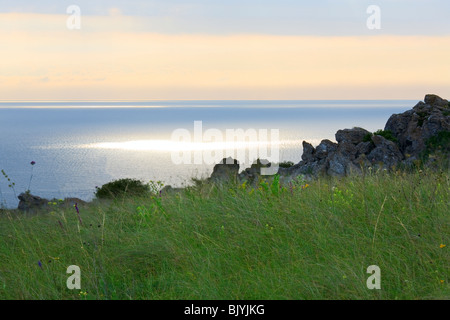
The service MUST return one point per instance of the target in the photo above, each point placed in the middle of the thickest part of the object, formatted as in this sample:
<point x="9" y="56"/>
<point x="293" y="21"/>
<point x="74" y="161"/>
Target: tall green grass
<point x="302" y="241"/>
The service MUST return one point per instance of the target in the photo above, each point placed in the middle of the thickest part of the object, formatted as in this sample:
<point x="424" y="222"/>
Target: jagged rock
<point x="254" y="172"/>
<point x="364" y="148"/>
<point x="226" y="170"/>
<point x="337" y="165"/>
<point x="340" y="165"/>
<point x="386" y="152"/>
<point x="414" y="127"/>
<point x="435" y="100"/>
<point x="325" y="148"/>
<point x="354" y="136"/>
<point x="29" y="202"/>
<point x="308" y="152"/>
<point x="347" y="150"/>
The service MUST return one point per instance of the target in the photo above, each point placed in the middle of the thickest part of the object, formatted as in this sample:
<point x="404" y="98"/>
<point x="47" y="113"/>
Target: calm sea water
<point x="80" y="145"/>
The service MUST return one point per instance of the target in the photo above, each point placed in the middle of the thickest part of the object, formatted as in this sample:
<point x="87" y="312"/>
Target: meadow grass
<point x="304" y="241"/>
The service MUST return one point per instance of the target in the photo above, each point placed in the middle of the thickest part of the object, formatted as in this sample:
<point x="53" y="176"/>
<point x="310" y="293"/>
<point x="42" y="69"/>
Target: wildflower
<point x="442" y="246"/>
<point x="305" y="186"/>
<point x="442" y="281"/>
<point x="31" y="175"/>
<point x="78" y="213"/>
<point x="40" y="264"/>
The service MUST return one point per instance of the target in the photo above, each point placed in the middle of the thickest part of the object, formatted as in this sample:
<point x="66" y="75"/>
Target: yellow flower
<point x="442" y="281"/>
<point x="83" y="293"/>
<point x="442" y="246"/>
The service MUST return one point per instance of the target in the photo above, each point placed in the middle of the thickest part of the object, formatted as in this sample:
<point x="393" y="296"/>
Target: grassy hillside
<point x="308" y="241"/>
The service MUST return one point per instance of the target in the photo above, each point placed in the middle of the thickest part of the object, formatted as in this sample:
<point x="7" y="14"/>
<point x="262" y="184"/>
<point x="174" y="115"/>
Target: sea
<point x="76" y="146"/>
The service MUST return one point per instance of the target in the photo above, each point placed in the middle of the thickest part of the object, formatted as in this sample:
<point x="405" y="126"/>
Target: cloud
<point x="103" y="61"/>
<point x="283" y="17"/>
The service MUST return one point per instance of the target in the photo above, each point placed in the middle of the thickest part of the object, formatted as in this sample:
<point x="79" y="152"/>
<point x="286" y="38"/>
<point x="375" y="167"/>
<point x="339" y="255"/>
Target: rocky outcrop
<point x="31" y="203"/>
<point x="358" y="148"/>
<point x="414" y="127"/>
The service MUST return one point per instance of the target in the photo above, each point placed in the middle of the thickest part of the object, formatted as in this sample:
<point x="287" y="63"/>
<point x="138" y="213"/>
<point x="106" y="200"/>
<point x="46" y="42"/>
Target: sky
<point x="218" y="50"/>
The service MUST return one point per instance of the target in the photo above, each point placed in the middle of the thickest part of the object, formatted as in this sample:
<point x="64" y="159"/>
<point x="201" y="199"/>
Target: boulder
<point x="29" y="202"/>
<point x="435" y="100"/>
<point x="354" y="136"/>
<point x="386" y="153"/>
<point x="325" y="148"/>
<point x="226" y="170"/>
<point x="308" y="152"/>
<point x="347" y="150"/>
<point x="364" y="148"/>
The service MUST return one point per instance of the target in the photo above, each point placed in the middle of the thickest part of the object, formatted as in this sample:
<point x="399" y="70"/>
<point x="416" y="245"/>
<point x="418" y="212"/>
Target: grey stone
<point x="29" y="202"/>
<point x="226" y="170"/>
<point x="354" y="136"/>
<point x="308" y="152"/>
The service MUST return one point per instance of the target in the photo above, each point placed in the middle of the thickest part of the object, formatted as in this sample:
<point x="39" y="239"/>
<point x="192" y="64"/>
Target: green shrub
<point x="387" y="134"/>
<point x="368" y="137"/>
<point x="122" y="187"/>
<point x="439" y="142"/>
<point x="286" y="164"/>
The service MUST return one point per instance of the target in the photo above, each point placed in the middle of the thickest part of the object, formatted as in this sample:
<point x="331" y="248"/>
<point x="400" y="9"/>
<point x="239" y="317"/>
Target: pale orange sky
<point x="110" y="59"/>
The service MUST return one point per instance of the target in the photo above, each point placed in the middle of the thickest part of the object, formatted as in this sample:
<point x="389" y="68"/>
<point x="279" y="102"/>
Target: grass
<point x="302" y="241"/>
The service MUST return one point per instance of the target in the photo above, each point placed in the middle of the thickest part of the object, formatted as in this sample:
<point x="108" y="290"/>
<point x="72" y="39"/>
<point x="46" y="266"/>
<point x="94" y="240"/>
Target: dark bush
<point x="387" y="134"/>
<point x="440" y="142"/>
<point x="368" y="137"/>
<point x="121" y="188"/>
<point x="286" y="164"/>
